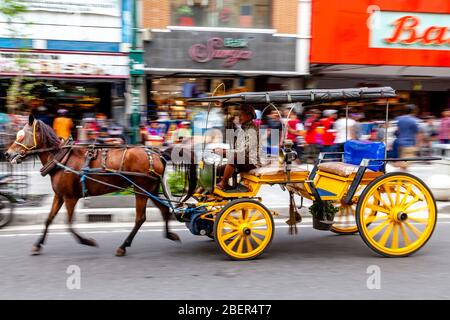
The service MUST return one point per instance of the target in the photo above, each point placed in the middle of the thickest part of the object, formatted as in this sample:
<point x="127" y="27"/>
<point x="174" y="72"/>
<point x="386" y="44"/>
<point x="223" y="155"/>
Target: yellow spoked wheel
<point x="396" y="214"/>
<point x="344" y="220"/>
<point x="243" y="229"/>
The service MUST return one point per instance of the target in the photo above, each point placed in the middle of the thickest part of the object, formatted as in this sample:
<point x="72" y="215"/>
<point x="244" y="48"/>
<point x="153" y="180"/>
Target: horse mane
<point x="48" y="135"/>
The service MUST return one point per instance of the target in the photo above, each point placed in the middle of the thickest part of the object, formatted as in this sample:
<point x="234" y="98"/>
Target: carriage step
<point x="239" y="188"/>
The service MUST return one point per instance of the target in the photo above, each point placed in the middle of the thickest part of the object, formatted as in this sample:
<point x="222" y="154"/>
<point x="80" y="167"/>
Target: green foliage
<point x="12" y="8"/>
<point x="176" y="182"/>
<point x="185" y="11"/>
<point x="326" y="212"/>
<point x="127" y="192"/>
<point x="20" y="90"/>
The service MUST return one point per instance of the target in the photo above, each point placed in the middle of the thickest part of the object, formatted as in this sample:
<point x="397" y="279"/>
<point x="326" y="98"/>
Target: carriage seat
<point x="274" y="170"/>
<point x="340" y="168"/>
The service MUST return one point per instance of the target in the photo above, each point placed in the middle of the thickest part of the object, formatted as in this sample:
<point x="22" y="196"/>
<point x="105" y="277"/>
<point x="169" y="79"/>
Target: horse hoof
<point x="120" y="252"/>
<point x="173" y="236"/>
<point x="93" y="243"/>
<point x="36" y="250"/>
<point x="90" y="242"/>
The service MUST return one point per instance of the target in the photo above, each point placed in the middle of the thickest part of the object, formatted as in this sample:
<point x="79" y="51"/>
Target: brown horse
<point x="38" y="138"/>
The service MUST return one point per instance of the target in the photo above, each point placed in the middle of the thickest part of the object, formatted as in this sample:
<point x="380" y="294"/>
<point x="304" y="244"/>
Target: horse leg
<point x="70" y="206"/>
<point x="141" y="206"/>
<point x="57" y="204"/>
<point x="165" y="211"/>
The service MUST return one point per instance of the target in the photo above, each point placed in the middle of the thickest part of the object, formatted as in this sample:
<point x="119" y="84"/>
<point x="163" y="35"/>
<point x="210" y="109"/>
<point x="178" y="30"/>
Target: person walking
<point x="345" y="130"/>
<point x="444" y="129"/>
<point x="407" y="131"/>
<point x="311" y="136"/>
<point x="329" y="134"/>
<point x="63" y="124"/>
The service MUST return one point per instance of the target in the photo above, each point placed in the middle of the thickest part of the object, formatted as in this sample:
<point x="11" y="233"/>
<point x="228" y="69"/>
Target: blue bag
<point x="355" y="151"/>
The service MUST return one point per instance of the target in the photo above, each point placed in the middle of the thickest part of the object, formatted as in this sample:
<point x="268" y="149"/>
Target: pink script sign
<point x="212" y="50"/>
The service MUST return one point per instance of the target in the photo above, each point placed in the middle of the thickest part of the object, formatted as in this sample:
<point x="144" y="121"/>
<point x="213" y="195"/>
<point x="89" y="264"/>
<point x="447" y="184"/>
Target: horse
<point x="38" y="138"/>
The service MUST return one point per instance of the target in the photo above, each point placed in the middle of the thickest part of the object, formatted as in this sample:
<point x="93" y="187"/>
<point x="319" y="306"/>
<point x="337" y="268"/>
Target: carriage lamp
<point x="287" y="154"/>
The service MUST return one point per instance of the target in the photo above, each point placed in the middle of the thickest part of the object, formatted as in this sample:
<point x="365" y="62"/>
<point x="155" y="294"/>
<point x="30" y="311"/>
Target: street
<point x="311" y="265"/>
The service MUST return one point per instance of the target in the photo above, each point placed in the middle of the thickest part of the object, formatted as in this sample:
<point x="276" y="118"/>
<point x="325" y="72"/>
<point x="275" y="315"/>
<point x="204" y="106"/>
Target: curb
<point x="29" y="216"/>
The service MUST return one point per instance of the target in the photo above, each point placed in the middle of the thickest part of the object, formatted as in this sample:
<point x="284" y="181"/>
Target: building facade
<point x="403" y="44"/>
<point x="78" y="48"/>
<point x="193" y="45"/>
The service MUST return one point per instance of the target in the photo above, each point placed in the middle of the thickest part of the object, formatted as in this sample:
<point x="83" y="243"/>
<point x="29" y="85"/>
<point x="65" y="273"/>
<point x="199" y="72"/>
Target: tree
<point x="12" y="11"/>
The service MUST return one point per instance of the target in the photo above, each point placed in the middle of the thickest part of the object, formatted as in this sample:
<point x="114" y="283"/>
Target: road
<point x="311" y="265"/>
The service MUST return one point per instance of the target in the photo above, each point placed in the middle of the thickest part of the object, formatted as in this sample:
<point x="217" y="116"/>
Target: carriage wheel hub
<point x="399" y="216"/>
<point x="245" y="230"/>
<point x="402" y="216"/>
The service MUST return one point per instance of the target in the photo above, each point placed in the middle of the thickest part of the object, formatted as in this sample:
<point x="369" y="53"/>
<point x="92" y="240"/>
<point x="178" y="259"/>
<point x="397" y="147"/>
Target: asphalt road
<point x="311" y="265"/>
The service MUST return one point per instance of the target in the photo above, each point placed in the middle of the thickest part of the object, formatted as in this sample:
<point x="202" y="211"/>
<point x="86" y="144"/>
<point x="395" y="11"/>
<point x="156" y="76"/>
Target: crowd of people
<point x="312" y="131"/>
<point x="317" y="131"/>
<point x="165" y="132"/>
<point x="91" y="128"/>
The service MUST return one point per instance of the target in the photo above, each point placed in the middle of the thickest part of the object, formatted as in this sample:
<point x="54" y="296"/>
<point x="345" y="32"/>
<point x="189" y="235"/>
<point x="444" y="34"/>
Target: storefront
<point x="79" y="82"/>
<point x="182" y="63"/>
<point x="403" y="44"/>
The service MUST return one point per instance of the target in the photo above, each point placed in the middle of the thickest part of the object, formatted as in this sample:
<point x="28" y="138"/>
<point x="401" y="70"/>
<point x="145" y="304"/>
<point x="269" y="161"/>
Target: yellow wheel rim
<point x="244" y="230"/>
<point x="397" y="215"/>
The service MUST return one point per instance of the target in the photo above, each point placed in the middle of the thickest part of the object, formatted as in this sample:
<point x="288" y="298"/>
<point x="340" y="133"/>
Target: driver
<point x="245" y="154"/>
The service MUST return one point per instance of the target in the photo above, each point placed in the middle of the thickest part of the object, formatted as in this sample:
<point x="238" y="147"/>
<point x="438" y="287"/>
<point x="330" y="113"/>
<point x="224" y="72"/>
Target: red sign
<point x="405" y="33"/>
<point x="409" y="25"/>
<point x="214" y="50"/>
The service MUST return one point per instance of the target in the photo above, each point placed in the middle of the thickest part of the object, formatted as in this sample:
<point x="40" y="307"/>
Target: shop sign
<point x="404" y="30"/>
<point x="217" y="48"/>
<point x="63" y="64"/>
<point x="184" y="50"/>
<point x="104" y="7"/>
<point x="137" y="62"/>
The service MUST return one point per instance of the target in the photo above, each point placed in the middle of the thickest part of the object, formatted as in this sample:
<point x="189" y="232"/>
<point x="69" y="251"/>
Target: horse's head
<point x="27" y="140"/>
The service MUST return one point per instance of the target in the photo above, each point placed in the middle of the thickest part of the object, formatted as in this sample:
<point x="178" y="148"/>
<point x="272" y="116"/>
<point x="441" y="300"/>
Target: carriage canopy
<point x="305" y="96"/>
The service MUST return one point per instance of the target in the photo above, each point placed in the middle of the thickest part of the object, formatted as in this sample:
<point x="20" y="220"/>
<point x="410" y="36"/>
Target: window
<point x="221" y="13"/>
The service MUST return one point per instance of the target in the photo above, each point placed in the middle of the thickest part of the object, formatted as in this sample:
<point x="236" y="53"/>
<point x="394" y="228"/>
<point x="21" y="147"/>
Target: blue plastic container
<point x="355" y="151"/>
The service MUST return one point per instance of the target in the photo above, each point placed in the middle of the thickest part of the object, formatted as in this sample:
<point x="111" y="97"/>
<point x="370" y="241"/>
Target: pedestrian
<point x="274" y="129"/>
<point x="345" y="130"/>
<point x="428" y="133"/>
<point x="294" y="133"/>
<point x="329" y="134"/>
<point x="407" y="131"/>
<point x="63" y="124"/>
<point x="444" y="129"/>
<point x="312" y="136"/>
<point x="42" y="114"/>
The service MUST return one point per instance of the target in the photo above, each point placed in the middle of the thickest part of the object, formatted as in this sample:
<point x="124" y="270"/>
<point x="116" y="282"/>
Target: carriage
<point x="395" y="213"/>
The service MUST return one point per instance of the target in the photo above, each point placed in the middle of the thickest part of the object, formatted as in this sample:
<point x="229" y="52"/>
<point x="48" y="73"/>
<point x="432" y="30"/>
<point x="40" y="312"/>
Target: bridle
<point x="34" y="140"/>
<point x="32" y="149"/>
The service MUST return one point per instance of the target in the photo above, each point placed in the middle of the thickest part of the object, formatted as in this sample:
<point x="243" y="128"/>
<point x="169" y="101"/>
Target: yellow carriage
<point x="395" y="213"/>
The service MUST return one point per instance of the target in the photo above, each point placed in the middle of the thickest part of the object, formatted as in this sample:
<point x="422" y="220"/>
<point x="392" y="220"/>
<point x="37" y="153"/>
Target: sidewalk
<point x="277" y="201"/>
<point x="272" y="197"/>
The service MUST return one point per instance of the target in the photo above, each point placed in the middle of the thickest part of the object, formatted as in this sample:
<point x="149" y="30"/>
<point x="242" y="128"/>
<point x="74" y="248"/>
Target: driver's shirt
<point x="246" y="146"/>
